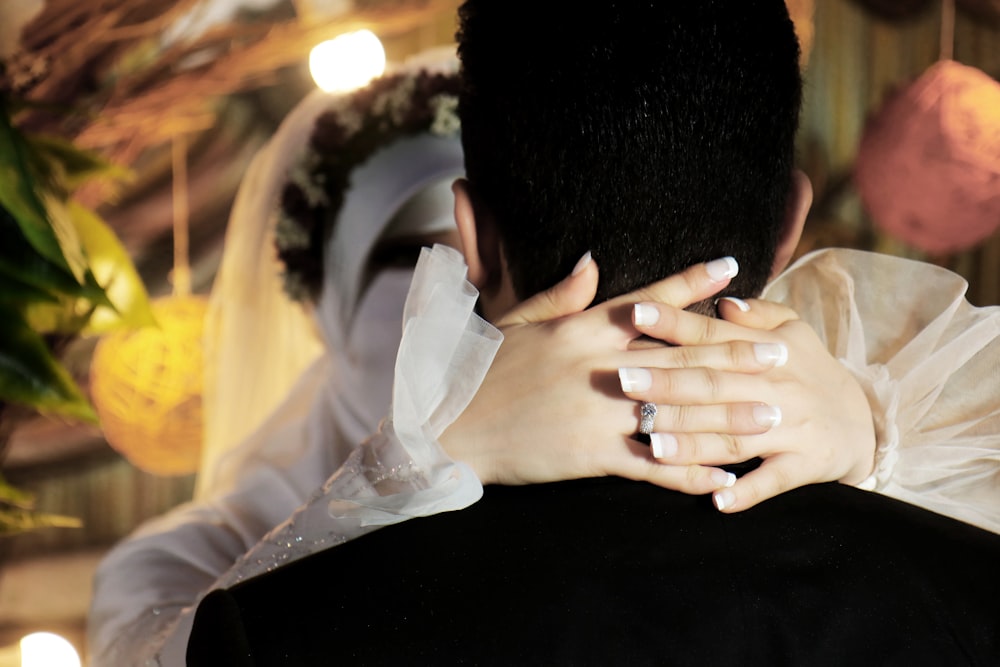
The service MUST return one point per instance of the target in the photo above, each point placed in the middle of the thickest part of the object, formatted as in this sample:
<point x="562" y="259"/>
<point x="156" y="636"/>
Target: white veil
<point x="259" y="343"/>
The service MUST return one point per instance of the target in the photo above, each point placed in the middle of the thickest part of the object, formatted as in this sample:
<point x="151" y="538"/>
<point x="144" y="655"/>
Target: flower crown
<point x="390" y="108"/>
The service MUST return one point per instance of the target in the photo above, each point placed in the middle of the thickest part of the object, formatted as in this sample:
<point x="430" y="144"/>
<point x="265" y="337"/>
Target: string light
<point x="347" y="62"/>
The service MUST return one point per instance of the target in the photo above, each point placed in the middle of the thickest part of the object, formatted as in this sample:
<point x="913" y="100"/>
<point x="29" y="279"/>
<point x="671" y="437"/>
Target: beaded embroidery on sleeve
<point x="401" y="472"/>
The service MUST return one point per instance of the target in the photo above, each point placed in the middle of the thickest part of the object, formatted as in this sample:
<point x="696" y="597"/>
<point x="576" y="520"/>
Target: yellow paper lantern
<point x="146" y="386"/>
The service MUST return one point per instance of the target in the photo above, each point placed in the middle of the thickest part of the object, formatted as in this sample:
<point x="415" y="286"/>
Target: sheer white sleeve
<point x="929" y="363"/>
<point x="147" y="589"/>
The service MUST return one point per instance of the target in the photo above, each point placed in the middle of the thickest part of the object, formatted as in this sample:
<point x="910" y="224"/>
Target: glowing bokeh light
<point x="347" y="62"/>
<point x="44" y="649"/>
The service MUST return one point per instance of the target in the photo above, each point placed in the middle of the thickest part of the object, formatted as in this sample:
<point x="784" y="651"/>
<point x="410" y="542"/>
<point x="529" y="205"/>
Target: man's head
<point x="654" y="133"/>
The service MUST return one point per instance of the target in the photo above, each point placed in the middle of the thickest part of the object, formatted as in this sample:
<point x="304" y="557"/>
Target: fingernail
<point x="723" y="479"/>
<point x="723" y="499"/>
<point x="740" y="303"/>
<point x="635" y="379"/>
<point x="582" y="264"/>
<point x="767" y="415"/>
<point x="771" y="354"/>
<point x="645" y="315"/>
<point x="720" y="269"/>
<point x="663" y="445"/>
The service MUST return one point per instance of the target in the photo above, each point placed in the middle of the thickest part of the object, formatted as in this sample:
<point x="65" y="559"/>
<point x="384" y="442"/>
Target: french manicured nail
<point x="767" y="415"/>
<point x="723" y="479"/>
<point x="582" y="264"/>
<point x="723" y="499"/>
<point x="740" y="303"/>
<point x="771" y="354"/>
<point x="645" y="315"/>
<point x="663" y="445"/>
<point x="720" y="269"/>
<point x="635" y="379"/>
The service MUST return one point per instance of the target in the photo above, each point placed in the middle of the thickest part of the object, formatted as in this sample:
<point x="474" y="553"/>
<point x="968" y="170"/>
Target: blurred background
<point x="181" y="93"/>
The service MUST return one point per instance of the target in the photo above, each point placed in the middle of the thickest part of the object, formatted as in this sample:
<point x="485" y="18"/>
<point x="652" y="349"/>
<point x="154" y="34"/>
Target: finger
<point x="680" y="327"/>
<point x="735" y="357"/>
<point x="684" y="449"/>
<point x="689" y="286"/>
<point x="571" y="295"/>
<point x="680" y="290"/>
<point x="775" y="476"/>
<point x="731" y="418"/>
<point x="689" y="386"/>
<point x="637" y="464"/>
<point x="755" y="313"/>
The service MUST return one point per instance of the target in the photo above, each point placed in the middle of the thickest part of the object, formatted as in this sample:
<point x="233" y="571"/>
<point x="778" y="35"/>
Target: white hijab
<point x="260" y="347"/>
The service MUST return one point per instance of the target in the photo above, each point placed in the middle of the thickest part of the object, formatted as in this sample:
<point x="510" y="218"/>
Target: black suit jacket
<point x="609" y="572"/>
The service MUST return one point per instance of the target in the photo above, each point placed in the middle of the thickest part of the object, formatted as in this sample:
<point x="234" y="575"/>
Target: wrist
<point x="461" y="445"/>
<point x="882" y="396"/>
<point x="866" y="466"/>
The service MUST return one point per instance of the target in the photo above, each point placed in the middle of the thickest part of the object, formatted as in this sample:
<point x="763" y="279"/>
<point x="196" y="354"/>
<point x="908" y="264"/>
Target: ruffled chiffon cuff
<point x="402" y="471"/>
<point x="882" y="393"/>
<point x="928" y="362"/>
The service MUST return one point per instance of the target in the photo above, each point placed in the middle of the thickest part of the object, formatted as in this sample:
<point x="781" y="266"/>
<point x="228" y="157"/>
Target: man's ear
<point x="480" y="243"/>
<point x="800" y="197"/>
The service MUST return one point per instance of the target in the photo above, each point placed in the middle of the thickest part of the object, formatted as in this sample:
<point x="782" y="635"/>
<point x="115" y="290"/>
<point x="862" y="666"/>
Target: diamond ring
<point x="647" y="414"/>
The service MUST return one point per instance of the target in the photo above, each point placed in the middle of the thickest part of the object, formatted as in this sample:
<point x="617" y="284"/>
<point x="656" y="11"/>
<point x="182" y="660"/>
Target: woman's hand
<point x="551" y="407"/>
<point x="807" y="417"/>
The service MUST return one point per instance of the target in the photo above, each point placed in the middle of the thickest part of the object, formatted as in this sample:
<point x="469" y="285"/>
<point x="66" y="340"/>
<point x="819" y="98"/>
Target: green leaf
<point x="19" y="194"/>
<point x="35" y="271"/>
<point x="69" y="315"/>
<point x="95" y="293"/>
<point x="13" y="496"/>
<point x="18" y="514"/>
<point x="20" y="263"/>
<point x="15" y="292"/>
<point x="69" y="240"/>
<point x="112" y="267"/>
<point x="29" y="375"/>
<point x="57" y="318"/>
<point x="14" y="520"/>
<point x="72" y="166"/>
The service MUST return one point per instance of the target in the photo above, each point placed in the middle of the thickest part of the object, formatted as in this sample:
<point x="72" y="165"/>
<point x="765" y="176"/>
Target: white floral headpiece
<point x="345" y="136"/>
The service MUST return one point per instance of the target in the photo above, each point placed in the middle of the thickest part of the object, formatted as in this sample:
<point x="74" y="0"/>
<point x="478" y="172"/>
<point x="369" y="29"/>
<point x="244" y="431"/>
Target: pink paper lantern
<point x="928" y="169"/>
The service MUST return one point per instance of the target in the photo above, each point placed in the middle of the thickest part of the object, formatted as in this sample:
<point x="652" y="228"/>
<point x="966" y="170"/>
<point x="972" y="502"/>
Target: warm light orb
<point x="347" y="62"/>
<point x="44" y="649"/>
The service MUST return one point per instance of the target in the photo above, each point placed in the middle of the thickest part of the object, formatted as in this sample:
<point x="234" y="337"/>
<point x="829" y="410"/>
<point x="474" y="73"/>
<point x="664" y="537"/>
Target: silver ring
<point x="647" y="414"/>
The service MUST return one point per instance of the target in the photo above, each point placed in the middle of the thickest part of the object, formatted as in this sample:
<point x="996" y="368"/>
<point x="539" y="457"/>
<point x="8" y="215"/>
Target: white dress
<point x="929" y="362"/>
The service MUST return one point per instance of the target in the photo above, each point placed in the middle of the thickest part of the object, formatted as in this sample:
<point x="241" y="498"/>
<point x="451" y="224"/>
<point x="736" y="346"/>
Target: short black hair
<point x="654" y="133"/>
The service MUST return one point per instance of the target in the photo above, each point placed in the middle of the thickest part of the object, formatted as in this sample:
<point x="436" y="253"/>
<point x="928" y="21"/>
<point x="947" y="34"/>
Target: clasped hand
<point x="561" y="400"/>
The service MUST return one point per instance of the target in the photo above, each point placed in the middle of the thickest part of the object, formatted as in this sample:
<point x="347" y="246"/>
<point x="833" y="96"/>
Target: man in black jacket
<point x="657" y="135"/>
